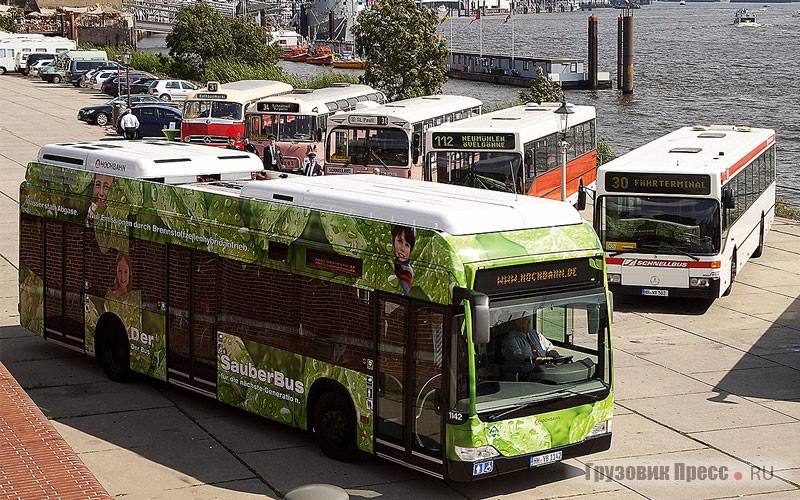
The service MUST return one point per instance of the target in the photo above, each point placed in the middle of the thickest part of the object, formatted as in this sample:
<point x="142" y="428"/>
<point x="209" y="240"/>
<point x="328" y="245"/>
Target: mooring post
<point x="619" y="52"/>
<point x="627" y="51"/>
<point x="593" y="52"/>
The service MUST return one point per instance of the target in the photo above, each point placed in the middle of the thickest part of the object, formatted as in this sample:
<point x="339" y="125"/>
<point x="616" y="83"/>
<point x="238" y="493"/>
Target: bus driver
<point x="524" y="344"/>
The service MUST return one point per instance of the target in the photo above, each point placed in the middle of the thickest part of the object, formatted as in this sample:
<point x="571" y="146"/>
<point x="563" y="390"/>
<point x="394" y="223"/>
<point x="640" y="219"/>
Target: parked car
<point x="32" y="58"/>
<point x="171" y="90"/>
<point x="100" y="78"/>
<point x="138" y="86"/>
<point x="102" y="113"/>
<point x="52" y="75"/>
<point x="33" y="69"/>
<point x="86" y="78"/>
<point x="119" y="83"/>
<point x="78" y="67"/>
<point x="153" y="118"/>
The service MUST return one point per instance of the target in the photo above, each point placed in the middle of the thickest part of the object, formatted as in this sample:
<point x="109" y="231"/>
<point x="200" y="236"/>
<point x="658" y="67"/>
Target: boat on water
<point x="682" y="2"/>
<point x="347" y="60"/>
<point x="745" y="17"/>
<point x="299" y="54"/>
<point x="322" y="56"/>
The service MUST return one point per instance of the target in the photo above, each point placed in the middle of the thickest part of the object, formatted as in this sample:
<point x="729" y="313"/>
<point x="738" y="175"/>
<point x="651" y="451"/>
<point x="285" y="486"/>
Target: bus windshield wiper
<point x="371" y="152"/>
<point x="672" y="249"/>
<point x="526" y="404"/>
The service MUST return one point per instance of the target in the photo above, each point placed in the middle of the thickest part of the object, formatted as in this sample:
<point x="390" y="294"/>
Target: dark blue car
<point x="153" y="118"/>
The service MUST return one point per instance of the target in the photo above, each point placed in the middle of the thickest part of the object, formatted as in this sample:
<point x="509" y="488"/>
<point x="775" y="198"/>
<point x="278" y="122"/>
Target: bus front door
<point x="409" y="426"/>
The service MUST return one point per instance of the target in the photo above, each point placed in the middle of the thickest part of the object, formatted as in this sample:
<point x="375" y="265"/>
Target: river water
<point x="692" y="66"/>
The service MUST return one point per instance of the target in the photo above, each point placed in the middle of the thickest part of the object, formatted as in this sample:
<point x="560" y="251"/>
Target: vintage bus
<point x="216" y="112"/>
<point x="389" y="139"/>
<point x="516" y="149"/>
<point x="682" y="214"/>
<point x="298" y="120"/>
<point x="390" y="303"/>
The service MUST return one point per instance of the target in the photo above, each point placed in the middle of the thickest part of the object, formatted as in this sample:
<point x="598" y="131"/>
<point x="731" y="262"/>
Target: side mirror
<point x="319" y="135"/>
<point x="593" y="318"/>
<point x="728" y="200"/>
<point x="416" y="151"/>
<point x="479" y="303"/>
<point x="479" y="307"/>
<point x="581" y="205"/>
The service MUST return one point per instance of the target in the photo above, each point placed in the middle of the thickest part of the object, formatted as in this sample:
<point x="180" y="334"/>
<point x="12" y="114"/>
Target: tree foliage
<point x="202" y="34"/>
<point x="542" y="89"/>
<point x="8" y="21"/>
<point x="399" y="40"/>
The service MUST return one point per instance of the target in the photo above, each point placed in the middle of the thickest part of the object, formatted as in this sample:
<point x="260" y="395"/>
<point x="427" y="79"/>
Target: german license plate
<point x="547" y="458"/>
<point x="655" y="293"/>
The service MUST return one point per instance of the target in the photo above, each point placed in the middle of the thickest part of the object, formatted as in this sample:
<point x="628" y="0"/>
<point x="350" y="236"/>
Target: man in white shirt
<point x="129" y="124"/>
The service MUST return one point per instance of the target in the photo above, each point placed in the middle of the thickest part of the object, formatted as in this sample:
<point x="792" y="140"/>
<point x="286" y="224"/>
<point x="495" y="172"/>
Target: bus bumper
<point x="711" y="292"/>
<point x="463" y="471"/>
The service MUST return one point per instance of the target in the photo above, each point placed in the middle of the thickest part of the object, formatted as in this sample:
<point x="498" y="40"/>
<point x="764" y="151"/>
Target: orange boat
<point x="299" y="54"/>
<point x="322" y="56"/>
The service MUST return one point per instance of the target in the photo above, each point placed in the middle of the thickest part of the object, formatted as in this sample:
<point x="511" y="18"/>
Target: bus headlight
<point x="600" y="428"/>
<point x="699" y="282"/>
<point x="475" y="454"/>
<point x="614" y="278"/>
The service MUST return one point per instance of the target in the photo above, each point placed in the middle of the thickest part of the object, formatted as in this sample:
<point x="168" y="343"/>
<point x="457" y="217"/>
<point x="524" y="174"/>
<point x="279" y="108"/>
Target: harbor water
<point x="692" y="66"/>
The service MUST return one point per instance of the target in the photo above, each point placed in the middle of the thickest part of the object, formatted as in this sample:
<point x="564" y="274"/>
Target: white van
<point x="15" y="50"/>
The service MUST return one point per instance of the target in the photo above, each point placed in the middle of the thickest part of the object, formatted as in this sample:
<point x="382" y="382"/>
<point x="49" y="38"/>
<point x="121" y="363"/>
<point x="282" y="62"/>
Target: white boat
<point x="682" y="2"/>
<point x="745" y="17"/>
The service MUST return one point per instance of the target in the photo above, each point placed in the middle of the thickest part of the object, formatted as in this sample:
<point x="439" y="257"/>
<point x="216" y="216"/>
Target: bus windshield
<point x="287" y="128"/>
<point x="498" y="171"/>
<point x="213" y="109"/>
<point x="575" y="323"/>
<point x="647" y="224"/>
<point x="367" y="146"/>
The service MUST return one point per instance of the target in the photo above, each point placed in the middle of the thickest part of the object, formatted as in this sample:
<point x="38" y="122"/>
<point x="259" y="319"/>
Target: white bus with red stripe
<point x="516" y="149"/>
<point x="681" y="215"/>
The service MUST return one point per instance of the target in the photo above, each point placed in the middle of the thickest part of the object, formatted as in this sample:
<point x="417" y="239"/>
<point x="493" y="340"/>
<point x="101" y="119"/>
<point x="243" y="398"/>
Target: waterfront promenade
<point x="707" y="395"/>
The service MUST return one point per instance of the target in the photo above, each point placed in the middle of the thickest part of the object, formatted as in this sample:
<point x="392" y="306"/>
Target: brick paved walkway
<point x="35" y="461"/>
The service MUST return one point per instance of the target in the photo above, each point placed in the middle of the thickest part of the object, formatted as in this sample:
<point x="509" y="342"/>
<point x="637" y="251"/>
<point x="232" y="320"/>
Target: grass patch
<point x="785" y="210"/>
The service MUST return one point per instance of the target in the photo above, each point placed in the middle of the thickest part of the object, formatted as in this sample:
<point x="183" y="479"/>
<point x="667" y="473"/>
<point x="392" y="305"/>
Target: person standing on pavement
<point x="232" y="144"/>
<point x="249" y="147"/>
<point x="273" y="156"/>
<point x="311" y="165"/>
<point x="129" y="124"/>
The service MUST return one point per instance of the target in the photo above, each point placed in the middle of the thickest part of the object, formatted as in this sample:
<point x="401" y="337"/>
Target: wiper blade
<point x="670" y="250"/>
<point x="375" y="155"/>
<point x="522" y="406"/>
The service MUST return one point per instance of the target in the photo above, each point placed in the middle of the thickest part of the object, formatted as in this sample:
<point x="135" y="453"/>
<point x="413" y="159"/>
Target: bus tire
<point x="733" y="275"/>
<point x="113" y="353"/>
<point x="335" y="427"/>
<point x="760" y="248"/>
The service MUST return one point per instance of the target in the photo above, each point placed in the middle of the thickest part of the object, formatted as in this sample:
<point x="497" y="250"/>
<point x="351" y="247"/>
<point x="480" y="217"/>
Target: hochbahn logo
<point x="653" y="263"/>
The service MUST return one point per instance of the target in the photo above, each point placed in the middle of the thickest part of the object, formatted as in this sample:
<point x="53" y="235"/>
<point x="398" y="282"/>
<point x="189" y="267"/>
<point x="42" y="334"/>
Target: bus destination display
<point x="278" y="107"/>
<point x="538" y="275"/>
<point x="627" y="182"/>
<point x="470" y="140"/>
<point x="211" y="96"/>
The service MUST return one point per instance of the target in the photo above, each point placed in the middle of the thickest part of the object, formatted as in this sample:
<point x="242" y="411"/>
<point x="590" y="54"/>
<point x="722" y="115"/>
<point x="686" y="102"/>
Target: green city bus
<point x="368" y="310"/>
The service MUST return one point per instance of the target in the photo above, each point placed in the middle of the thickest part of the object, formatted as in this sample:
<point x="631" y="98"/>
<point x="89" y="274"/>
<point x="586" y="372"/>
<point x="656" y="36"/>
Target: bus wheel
<point x="113" y="353"/>
<point x="760" y="248"/>
<point x="733" y="275"/>
<point x="335" y="427"/>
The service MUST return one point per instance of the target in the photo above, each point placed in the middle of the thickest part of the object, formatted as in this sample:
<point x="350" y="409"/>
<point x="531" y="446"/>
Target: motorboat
<point x="745" y="17"/>
<point x="347" y="60"/>
<point x="323" y="55"/>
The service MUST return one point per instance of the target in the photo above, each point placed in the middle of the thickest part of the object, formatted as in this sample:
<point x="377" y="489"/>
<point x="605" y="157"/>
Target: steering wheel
<point x="559" y="360"/>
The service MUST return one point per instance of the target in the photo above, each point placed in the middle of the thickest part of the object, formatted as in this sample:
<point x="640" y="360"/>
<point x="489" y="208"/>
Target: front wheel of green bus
<point x="335" y="427"/>
<point x="113" y="353"/>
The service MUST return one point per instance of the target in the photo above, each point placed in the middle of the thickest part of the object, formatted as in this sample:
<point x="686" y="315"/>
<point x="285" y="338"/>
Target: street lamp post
<point x="563" y="113"/>
<point x="126" y="58"/>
